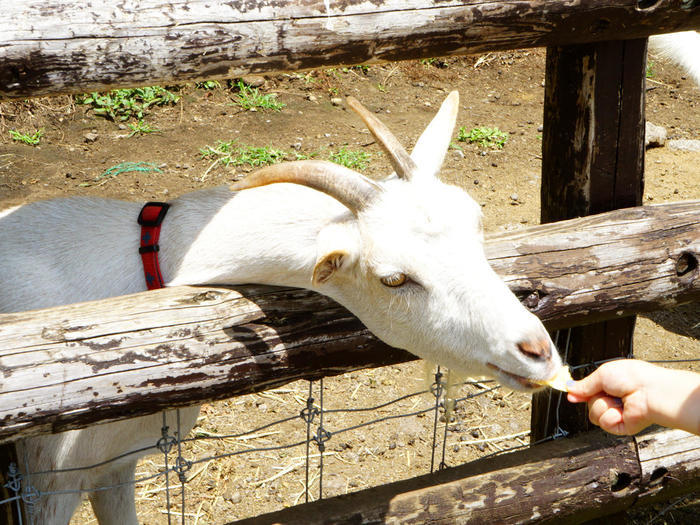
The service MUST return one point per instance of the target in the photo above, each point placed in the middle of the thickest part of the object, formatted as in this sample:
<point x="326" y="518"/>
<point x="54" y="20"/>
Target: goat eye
<point x="394" y="280"/>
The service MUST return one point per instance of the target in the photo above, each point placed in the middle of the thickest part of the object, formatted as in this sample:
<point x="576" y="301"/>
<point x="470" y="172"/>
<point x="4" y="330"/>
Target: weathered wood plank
<point x="670" y="462"/>
<point x="592" y="162"/>
<point x="564" y="481"/>
<point x="581" y="271"/>
<point x="74" y="47"/>
<point x="74" y="365"/>
<point x="173" y="347"/>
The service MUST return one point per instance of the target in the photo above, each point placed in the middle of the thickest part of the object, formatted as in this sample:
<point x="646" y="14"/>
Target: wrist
<point x="674" y="400"/>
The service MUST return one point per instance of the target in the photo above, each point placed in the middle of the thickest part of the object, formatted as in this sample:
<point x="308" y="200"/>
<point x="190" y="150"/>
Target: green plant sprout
<point x="483" y="136"/>
<point x="250" y="98"/>
<point x="304" y="156"/>
<point x="207" y="84"/>
<point x="123" y="104"/>
<point x="650" y="69"/>
<point x="32" y="139"/>
<point x="357" y="160"/>
<point x="123" y="167"/>
<point x="307" y="77"/>
<point x="232" y="153"/>
<point x="141" y="128"/>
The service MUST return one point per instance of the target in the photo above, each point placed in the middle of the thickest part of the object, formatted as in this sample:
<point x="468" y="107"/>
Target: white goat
<point x="682" y="48"/>
<point x="404" y="254"/>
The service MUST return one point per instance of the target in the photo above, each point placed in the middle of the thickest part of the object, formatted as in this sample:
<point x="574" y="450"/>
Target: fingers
<point x="605" y="411"/>
<point x="612" y="414"/>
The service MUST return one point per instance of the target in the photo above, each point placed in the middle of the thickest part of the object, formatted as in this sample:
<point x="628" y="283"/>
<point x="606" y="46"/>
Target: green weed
<point x="307" y="77"/>
<point x="357" y="160"/>
<point x="251" y="98"/>
<point x="434" y="62"/>
<point x="123" y="104"/>
<point x="485" y="137"/>
<point x="304" y="156"/>
<point x="232" y="153"/>
<point x="258" y="156"/>
<point x="207" y="84"/>
<point x="123" y="167"/>
<point x="142" y="128"/>
<point x="30" y="139"/>
<point x="650" y="69"/>
<point x="334" y="72"/>
<point x="362" y="68"/>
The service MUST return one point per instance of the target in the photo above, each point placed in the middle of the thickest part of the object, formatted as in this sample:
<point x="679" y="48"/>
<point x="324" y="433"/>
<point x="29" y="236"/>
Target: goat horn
<point x="350" y="188"/>
<point x="404" y="166"/>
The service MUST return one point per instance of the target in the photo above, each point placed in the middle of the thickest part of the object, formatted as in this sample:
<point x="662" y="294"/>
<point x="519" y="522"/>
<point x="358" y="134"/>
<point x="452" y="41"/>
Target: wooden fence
<point x="594" y="96"/>
<point x="110" y="359"/>
<point x="72" y="47"/>
<point x="565" y="481"/>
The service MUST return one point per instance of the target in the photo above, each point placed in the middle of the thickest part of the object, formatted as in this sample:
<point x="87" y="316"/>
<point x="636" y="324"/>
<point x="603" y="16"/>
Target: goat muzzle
<point x="537" y="349"/>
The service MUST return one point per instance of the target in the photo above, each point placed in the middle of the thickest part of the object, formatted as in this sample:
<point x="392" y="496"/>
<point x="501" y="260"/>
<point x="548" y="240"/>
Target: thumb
<point x="586" y="387"/>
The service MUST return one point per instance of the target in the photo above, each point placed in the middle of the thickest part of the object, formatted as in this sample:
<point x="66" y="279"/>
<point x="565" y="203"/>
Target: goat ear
<point x="429" y="151"/>
<point x="337" y="250"/>
<point x="327" y="265"/>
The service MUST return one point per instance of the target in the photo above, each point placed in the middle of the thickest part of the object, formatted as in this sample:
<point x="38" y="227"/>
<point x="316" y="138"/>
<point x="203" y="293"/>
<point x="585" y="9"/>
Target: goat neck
<point x="265" y="235"/>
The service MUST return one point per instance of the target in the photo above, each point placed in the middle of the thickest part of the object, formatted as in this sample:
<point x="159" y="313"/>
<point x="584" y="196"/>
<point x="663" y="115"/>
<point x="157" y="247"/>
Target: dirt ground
<point x="503" y="90"/>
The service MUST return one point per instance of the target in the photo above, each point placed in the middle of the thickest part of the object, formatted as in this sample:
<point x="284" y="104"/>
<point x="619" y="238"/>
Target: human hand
<point x="618" y="395"/>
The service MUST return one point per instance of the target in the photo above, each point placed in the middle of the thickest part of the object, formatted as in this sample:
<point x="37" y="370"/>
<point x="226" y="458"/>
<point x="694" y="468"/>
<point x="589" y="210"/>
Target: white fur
<point x="682" y="48"/>
<point x="454" y="310"/>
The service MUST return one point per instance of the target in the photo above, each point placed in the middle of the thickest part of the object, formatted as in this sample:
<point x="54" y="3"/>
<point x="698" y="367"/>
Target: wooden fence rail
<point x="565" y="481"/>
<point x="71" y="46"/>
<point x="74" y="365"/>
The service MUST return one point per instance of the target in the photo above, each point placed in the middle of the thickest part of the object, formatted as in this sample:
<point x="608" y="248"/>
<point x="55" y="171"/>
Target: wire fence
<point x="438" y="402"/>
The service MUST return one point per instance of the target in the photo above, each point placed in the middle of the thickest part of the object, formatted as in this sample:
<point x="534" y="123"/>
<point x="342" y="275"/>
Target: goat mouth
<point x="531" y="384"/>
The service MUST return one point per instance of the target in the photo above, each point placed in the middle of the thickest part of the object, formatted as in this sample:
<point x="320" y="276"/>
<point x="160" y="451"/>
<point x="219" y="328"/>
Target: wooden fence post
<point x="593" y="161"/>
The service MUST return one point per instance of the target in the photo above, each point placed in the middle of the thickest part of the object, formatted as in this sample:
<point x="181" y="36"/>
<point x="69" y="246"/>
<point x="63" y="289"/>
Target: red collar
<point x="150" y="219"/>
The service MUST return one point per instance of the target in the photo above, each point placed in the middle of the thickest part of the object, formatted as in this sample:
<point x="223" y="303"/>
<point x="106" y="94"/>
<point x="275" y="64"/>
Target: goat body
<point x="682" y="48"/>
<point x="404" y="254"/>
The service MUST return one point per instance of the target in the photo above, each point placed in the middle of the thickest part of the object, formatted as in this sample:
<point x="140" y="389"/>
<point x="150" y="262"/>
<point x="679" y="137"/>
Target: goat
<point x="404" y="254"/>
<point x="682" y="48"/>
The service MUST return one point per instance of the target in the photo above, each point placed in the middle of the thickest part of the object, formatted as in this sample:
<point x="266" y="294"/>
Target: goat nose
<point x="538" y="348"/>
